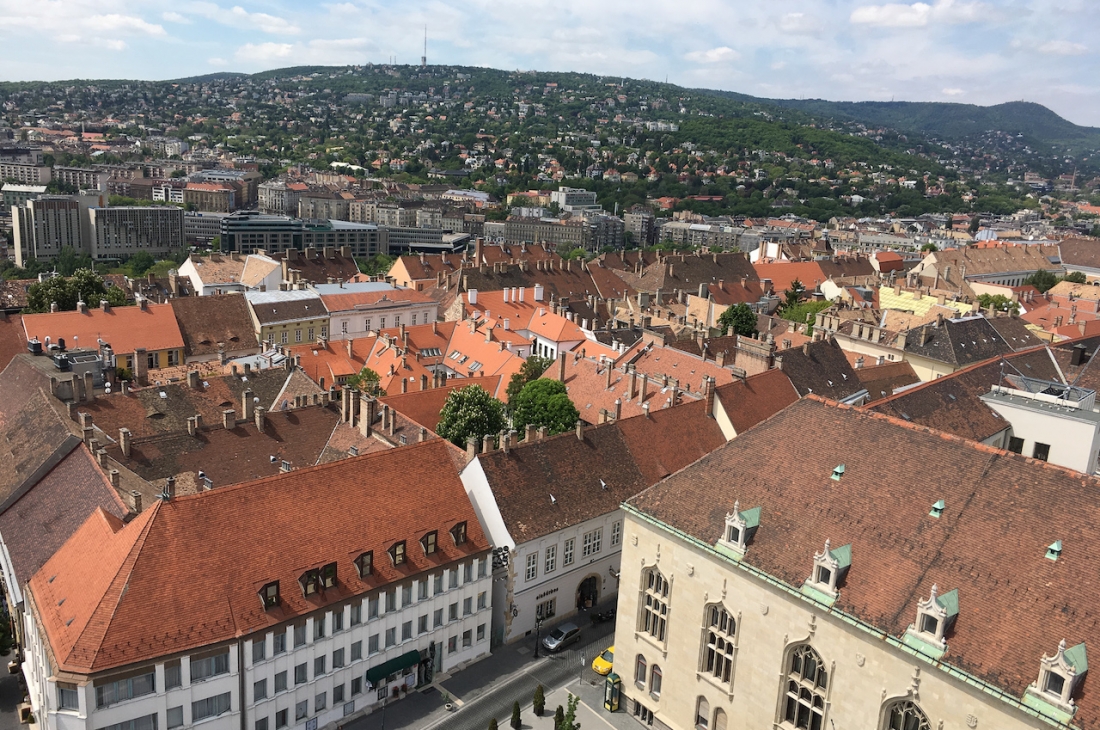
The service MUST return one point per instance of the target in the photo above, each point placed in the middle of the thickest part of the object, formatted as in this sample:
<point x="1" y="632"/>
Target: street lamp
<point x="538" y="626"/>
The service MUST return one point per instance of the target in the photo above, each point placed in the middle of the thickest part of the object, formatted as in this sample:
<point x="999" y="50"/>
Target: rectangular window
<point x="406" y="631"/>
<point x="261" y="724"/>
<point x="337" y="658"/>
<point x="356" y="614"/>
<point x="421" y="590"/>
<point x="320" y="702"/>
<point x="481" y="632"/>
<point x="300" y="676"/>
<point x="319" y="628"/>
<point x="482" y="600"/>
<point x="467" y="606"/>
<point x="301" y="710"/>
<point x="281" y="720"/>
<point x="372" y="644"/>
<point x="406" y="595"/>
<point x="366" y="324"/>
<point x="414" y="319"/>
<point x="280" y="682"/>
<point x="68" y="698"/>
<point x="356" y="685"/>
<point x="356" y="651"/>
<point x="546" y="609"/>
<point x="482" y="568"/>
<point x="309" y="334"/>
<point x="616" y="533"/>
<point x="591" y="542"/>
<point x="337" y="621"/>
<point x="210" y="707"/>
<point x="532" y="570"/>
<point x="467" y="572"/>
<point x="391" y="601"/>
<point x="173" y="677"/>
<point x="211" y="666"/>
<point x="148" y="722"/>
<point x="153" y="361"/>
<point x="259" y="690"/>
<point x="422" y="624"/>
<point x="467" y="639"/>
<point x="452" y="612"/>
<point x="318" y="666"/>
<point x="283" y="337"/>
<point x="297" y="335"/>
<point x="452" y="645"/>
<point x="397" y="320"/>
<point x="259" y="648"/>
<point x="173" y="358"/>
<point x="391" y="637"/>
<point x="551" y="561"/>
<point x="125" y="689"/>
<point x="437" y="618"/>
<point x="279" y="643"/>
<point x="372" y="608"/>
<point x="337" y="694"/>
<point x="175" y="717"/>
<point x="299" y="634"/>
<point x="344" y="327"/>
<point x="452" y="578"/>
<point x="567" y="553"/>
<point x="1042" y="451"/>
<point x="381" y="323"/>
<point x="438" y="580"/>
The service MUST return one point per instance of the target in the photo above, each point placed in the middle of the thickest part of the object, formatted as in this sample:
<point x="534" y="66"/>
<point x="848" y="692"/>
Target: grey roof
<point x="958" y="342"/>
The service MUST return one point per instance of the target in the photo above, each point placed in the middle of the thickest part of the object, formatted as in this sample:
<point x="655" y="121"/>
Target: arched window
<point x="719" y="719"/>
<point x="656" y="678"/>
<point x="654" y="604"/>
<point x="640" y="670"/>
<point x="905" y="715"/>
<point x="720" y="630"/>
<point x="804" y="690"/>
<point x="702" y="714"/>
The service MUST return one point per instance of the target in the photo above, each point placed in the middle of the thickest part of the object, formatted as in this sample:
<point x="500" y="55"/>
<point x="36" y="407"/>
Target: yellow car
<point x="602" y="663"/>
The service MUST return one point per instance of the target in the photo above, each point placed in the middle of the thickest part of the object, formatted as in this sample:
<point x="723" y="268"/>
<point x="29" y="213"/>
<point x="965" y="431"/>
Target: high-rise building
<point x="45" y="225"/>
<point x="118" y="233"/>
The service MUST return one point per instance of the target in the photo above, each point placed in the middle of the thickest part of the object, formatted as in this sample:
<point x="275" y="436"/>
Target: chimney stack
<point x="193" y="379"/>
<point x="529" y="435"/>
<point x="645" y="387"/>
<point x="114" y="475"/>
<point x="471" y="448"/>
<point x="423" y="435"/>
<point x="367" y="409"/>
<point x="487" y="443"/>
<point x="618" y="408"/>
<point x="260" y="414"/>
<point x="192" y="426"/>
<point x="580" y="430"/>
<point x="708" y="394"/>
<point x="633" y="383"/>
<point x="561" y="366"/>
<point x="169" y="489"/>
<point x="247" y="405"/>
<point x="125" y="438"/>
<point x="424" y="381"/>
<point x="135" y="498"/>
<point x="229" y="418"/>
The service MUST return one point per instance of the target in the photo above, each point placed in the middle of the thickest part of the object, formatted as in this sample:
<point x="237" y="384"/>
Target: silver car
<point x="561" y="637"/>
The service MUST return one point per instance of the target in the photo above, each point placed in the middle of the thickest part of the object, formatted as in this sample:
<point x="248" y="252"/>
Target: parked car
<point x="602" y="663"/>
<point x="561" y="637"/>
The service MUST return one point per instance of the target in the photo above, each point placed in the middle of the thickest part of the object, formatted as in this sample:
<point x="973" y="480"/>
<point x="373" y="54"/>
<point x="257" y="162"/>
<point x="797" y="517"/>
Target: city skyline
<point x="853" y="50"/>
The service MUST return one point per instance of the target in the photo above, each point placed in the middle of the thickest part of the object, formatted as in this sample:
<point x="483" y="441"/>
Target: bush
<point x="559" y="718"/>
<point x="517" y="723"/>
<point x="493" y="724"/>
<point x="540" y="701"/>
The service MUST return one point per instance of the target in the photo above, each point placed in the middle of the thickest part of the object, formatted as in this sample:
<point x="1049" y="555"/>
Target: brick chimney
<point x="561" y="366"/>
<point x="260" y="416"/>
<point x="618" y="409"/>
<point x="487" y="443"/>
<point x="125" y="439"/>
<point x="529" y="434"/>
<point x="169" y="489"/>
<point x="192" y="426"/>
<point x="135" y="498"/>
<point x="633" y="387"/>
<point x="580" y="430"/>
<point x="114" y="475"/>
<point x="645" y="388"/>
<point x="471" y="448"/>
<point x="141" y="366"/>
<point x="708" y="394"/>
<point x="248" y="405"/>
<point x="610" y="370"/>
<point x="193" y="379"/>
<point x="229" y="418"/>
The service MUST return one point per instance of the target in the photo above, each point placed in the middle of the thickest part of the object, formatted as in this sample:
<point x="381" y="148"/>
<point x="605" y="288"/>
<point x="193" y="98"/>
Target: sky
<point x="973" y="51"/>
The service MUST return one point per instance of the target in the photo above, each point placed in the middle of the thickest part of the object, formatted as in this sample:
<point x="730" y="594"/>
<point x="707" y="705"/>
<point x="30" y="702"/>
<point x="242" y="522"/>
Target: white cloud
<point x="217" y="61"/>
<point x="800" y="24"/>
<point x="918" y="15"/>
<point x="172" y="17"/>
<point x="238" y="17"/>
<point x="116" y="23"/>
<point x="953" y="92"/>
<point x="334" y="51"/>
<point x="266" y="23"/>
<point x="723" y="54"/>
<point x="1063" y="48"/>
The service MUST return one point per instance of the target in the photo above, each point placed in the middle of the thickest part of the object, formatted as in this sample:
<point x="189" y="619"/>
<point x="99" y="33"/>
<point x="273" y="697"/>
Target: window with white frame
<point x="702" y="714"/>
<point x="656" y="679"/>
<point x="551" y="561"/>
<point x="654" y="604"/>
<point x="210" y="707"/>
<point x="616" y="532"/>
<point x="109" y="693"/>
<point x="532" y="566"/>
<point x="1059" y="676"/>
<point x="68" y="697"/>
<point x="590" y="543"/>
<point x="804" y="687"/>
<point x="546" y="609"/>
<point x="567" y="552"/>
<point x="640" y="671"/>
<point x="718" y="647"/>
<point x="147" y="722"/>
<point x="904" y="714"/>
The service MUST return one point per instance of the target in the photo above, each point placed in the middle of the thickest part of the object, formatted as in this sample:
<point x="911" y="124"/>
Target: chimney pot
<point x="487" y="443"/>
<point x="229" y="418"/>
<point x="580" y="430"/>
<point x="135" y="496"/>
<point x="125" y="438"/>
<point x="114" y="477"/>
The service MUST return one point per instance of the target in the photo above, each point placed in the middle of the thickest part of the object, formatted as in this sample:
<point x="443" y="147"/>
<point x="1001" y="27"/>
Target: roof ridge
<point x="125" y="566"/>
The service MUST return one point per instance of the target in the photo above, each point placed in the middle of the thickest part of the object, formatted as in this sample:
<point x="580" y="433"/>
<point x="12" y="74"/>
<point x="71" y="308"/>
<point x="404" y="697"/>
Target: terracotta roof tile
<point x="206" y="322"/>
<point x="752" y="400"/>
<point x="423" y="406"/>
<point x="125" y="329"/>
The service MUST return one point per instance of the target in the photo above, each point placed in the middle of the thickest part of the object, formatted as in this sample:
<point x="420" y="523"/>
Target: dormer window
<point x="935" y="616"/>
<point x="838" y="472"/>
<point x="829" y="569"/>
<point x="328" y="576"/>
<point x="397" y="553"/>
<point x="269" y="595"/>
<point x="1059" y="677"/>
<point x="458" y="533"/>
<point x="938" y="508"/>
<point x="309" y="582"/>
<point x="740" y="527"/>
<point x="428" y="543"/>
<point x="365" y="564"/>
<point x="1055" y="550"/>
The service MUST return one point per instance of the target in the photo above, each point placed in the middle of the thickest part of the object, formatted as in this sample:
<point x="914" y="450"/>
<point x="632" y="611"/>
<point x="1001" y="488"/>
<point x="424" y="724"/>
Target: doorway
<point x="588" y="592"/>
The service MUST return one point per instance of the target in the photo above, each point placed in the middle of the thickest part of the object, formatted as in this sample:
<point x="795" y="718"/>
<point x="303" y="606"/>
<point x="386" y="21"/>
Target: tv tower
<point x="424" y="58"/>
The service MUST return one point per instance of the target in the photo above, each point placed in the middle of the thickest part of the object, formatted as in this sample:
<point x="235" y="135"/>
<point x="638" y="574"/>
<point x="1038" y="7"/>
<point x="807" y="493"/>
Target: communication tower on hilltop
<point x="424" y="58"/>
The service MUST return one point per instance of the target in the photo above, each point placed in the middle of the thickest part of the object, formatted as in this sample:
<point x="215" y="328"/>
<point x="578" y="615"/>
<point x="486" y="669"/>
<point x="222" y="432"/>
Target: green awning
<point x="385" y="669"/>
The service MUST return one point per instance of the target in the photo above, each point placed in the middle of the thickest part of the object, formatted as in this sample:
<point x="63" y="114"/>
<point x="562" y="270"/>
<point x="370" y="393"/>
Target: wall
<point x="863" y="669"/>
<point x="349" y="325"/>
<point x="1073" y="438"/>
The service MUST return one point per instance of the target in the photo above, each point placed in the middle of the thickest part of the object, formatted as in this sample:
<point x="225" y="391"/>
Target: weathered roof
<point x="820" y="368"/>
<point x="207" y="322"/>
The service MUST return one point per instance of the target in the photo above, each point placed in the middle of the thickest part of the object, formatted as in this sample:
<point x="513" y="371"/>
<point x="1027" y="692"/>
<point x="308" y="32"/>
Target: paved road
<point x="488" y="688"/>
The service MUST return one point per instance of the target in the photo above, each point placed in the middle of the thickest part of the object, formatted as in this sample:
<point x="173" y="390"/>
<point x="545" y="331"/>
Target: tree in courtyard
<point x="741" y="318"/>
<point x="83" y="286"/>
<point x="366" y="381"/>
<point x="470" y="411"/>
<point x="531" y="370"/>
<point x="1042" y="280"/>
<point x="544" y="402"/>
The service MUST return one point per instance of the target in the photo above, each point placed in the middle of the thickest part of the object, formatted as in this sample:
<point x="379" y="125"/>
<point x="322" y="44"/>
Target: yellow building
<point x="288" y="317"/>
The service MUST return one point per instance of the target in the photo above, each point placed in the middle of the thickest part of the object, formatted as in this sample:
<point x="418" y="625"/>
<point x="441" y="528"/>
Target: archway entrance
<point x="588" y="592"/>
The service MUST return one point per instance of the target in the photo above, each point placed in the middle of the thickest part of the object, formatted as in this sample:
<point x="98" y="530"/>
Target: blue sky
<point x="976" y="51"/>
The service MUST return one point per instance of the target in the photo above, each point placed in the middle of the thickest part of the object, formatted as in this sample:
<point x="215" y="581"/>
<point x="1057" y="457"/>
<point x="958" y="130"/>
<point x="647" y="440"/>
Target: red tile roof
<point x="752" y="400"/>
<point x="352" y="301"/>
<point x="423" y="406"/>
<point x="782" y="275"/>
<point x="116" y="595"/>
<point x="125" y="329"/>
